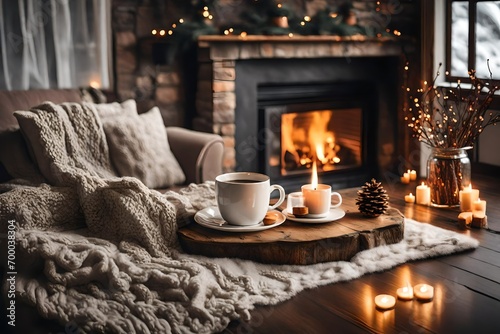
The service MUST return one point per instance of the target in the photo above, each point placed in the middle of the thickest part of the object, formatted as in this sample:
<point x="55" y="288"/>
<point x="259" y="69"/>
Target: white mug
<point x="243" y="197"/>
<point x="319" y="199"/>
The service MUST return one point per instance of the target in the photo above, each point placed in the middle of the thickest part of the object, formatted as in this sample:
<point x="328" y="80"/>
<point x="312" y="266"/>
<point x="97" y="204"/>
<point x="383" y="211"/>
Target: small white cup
<point x="319" y="199"/>
<point x="294" y="200"/>
<point x="243" y="197"/>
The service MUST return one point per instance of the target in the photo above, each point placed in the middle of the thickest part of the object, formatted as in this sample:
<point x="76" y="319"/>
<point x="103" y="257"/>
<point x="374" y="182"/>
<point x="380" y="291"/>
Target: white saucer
<point x="210" y="217"/>
<point x="334" y="214"/>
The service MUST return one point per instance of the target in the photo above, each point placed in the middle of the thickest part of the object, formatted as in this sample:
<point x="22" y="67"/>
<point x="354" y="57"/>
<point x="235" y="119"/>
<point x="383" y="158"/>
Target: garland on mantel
<point x="270" y="17"/>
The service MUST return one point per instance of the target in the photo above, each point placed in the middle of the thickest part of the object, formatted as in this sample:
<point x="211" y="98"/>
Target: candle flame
<point x="423" y="288"/>
<point x="384" y="300"/>
<point x="314" y="178"/>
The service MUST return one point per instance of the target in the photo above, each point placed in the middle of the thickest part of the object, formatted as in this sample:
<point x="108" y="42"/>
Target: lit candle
<point x="410" y="198"/>
<point x="318" y="197"/>
<point x="385" y="302"/>
<point x="423" y="291"/>
<point x="405" y="293"/>
<point x="423" y="194"/>
<point x="467" y="197"/>
<point x="413" y="175"/>
<point x="479" y="206"/>
<point x="406" y="177"/>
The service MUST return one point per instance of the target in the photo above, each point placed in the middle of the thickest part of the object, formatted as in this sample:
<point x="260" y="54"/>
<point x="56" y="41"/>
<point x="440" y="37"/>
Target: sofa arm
<point x="199" y="154"/>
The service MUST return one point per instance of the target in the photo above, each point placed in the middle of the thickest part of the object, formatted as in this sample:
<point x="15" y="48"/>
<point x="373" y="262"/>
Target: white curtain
<point x="54" y="43"/>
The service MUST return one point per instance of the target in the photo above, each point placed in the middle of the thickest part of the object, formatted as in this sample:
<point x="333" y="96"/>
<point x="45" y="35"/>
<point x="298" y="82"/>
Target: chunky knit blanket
<point x="100" y="252"/>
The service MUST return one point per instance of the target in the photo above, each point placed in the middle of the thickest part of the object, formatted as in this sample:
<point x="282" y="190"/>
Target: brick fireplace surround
<point x="216" y="100"/>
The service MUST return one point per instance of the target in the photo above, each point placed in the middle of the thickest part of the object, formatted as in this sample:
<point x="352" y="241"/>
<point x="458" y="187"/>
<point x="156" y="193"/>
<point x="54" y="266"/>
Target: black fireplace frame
<point x="380" y="73"/>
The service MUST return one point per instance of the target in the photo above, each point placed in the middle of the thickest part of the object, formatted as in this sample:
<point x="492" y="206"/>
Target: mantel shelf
<point x="223" y="48"/>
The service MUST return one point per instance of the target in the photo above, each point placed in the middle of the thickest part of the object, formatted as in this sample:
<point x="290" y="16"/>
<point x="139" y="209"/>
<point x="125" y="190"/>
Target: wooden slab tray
<point x="297" y="243"/>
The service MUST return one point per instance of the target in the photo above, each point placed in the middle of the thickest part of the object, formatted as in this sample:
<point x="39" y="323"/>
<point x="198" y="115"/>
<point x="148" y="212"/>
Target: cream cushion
<point x="138" y="147"/>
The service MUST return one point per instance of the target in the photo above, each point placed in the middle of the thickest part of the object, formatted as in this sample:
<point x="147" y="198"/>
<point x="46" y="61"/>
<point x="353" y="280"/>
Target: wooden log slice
<point x="297" y="243"/>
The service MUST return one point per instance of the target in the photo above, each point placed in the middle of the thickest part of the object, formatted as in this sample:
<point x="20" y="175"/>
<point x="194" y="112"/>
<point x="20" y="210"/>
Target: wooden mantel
<point x="296" y="46"/>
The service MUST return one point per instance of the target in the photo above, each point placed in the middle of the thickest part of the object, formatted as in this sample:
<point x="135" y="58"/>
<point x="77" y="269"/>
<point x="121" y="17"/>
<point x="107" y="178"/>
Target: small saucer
<point x="210" y="217"/>
<point x="334" y="214"/>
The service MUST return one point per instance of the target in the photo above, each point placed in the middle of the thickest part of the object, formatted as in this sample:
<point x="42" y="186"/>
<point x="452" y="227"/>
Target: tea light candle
<point x="385" y="302"/>
<point x="423" y="291"/>
<point x="405" y="293"/>
<point x="413" y="175"/>
<point x="406" y="177"/>
<point x="467" y="197"/>
<point x="410" y="198"/>
<point x="423" y="193"/>
<point x="479" y="206"/>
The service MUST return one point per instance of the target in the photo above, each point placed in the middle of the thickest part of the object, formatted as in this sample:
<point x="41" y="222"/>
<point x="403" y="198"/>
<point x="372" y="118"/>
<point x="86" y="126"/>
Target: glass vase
<point x="448" y="172"/>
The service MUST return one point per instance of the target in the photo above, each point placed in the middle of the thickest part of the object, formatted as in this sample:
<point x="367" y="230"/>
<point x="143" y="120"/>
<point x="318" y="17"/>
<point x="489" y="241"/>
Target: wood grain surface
<point x="299" y="243"/>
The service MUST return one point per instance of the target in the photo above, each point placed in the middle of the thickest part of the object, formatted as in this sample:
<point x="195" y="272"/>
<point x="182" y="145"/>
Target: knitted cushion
<point x="138" y="147"/>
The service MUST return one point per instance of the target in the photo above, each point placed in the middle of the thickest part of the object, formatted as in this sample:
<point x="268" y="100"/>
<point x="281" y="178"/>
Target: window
<point x="473" y="37"/>
<point x="54" y="44"/>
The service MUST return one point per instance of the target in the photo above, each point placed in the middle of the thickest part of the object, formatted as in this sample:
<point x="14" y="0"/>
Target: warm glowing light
<point x="314" y="177"/>
<point x="181" y="20"/>
<point x="243" y="34"/>
<point x="154" y="32"/>
<point x="170" y="32"/>
<point x="162" y="32"/>
<point x="290" y="35"/>
<point x="95" y="84"/>
<point x="307" y="18"/>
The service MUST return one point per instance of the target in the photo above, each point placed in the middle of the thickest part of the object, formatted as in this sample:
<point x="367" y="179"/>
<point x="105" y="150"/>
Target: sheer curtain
<point x="54" y="43"/>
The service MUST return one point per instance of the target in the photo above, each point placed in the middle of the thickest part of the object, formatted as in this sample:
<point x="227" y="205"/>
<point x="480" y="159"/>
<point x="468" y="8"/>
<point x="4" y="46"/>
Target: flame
<point x="314" y="177"/>
<point x="320" y="152"/>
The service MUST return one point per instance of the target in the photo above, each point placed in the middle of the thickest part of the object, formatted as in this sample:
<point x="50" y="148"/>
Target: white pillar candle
<point x="410" y="198"/>
<point x="479" y="206"/>
<point x="423" y="194"/>
<point x="423" y="291"/>
<point x="467" y="197"/>
<point x="385" y="302"/>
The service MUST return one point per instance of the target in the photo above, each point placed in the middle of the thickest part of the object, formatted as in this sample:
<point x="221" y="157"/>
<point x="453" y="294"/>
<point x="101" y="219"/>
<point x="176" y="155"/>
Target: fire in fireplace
<point x="326" y="124"/>
<point x="324" y="136"/>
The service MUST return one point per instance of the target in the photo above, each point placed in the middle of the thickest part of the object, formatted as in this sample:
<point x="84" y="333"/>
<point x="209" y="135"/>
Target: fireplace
<point x="327" y="124"/>
<point x="267" y="95"/>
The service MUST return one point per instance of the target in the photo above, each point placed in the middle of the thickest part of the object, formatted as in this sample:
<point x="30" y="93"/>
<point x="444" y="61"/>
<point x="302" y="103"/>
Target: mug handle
<point x="282" y="195"/>
<point x="340" y="200"/>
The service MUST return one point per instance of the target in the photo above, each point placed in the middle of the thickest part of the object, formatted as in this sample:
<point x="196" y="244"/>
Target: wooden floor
<point x="467" y="285"/>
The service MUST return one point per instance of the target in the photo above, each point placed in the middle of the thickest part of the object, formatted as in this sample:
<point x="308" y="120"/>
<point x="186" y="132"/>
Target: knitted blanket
<point x="100" y="253"/>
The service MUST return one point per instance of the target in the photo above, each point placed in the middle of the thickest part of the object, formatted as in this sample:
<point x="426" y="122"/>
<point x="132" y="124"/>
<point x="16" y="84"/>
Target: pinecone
<point x="372" y="199"/>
